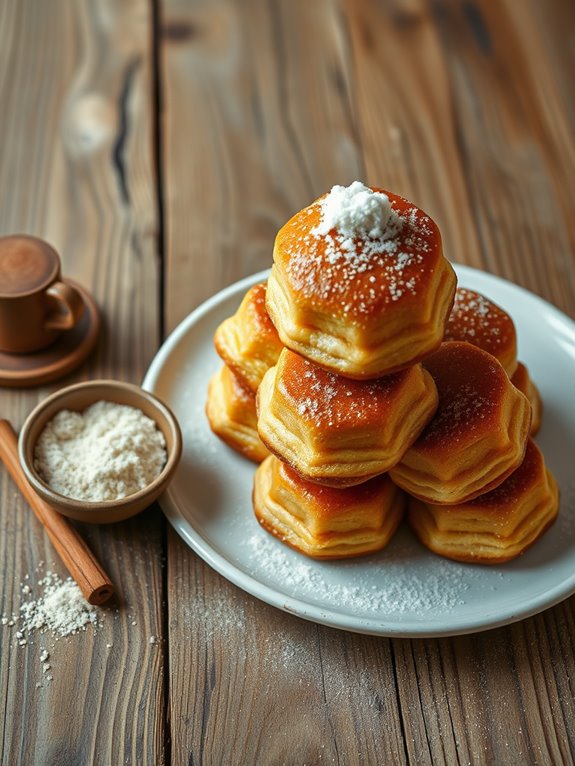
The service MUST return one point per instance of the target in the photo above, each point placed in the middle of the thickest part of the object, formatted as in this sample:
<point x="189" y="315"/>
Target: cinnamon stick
<point x="75" y="554"/>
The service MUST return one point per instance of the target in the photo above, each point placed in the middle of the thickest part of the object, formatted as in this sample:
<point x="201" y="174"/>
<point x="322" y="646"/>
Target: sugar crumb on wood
<point x="59" y="611"/>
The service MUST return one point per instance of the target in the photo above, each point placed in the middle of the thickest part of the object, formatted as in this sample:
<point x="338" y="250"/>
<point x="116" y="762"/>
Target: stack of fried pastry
<point x="376" y="387"/>
<point x="496" y="526"/>
<point x="358" y="294"/>
<point x="479" y="488"/>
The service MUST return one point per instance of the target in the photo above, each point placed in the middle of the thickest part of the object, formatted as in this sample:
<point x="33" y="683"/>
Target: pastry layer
<point x="494" y="527"/>
<point x="337" y="431"/>
<point x="231" y="412"/>
<point x="478" y="434"/>
<point x="522" y="380"/>
<point x="248" y="341"/>
<point x="325" y="522"/>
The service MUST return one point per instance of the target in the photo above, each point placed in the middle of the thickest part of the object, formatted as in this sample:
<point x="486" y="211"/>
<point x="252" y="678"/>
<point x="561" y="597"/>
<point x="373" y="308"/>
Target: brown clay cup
<point x="36" y="305"/>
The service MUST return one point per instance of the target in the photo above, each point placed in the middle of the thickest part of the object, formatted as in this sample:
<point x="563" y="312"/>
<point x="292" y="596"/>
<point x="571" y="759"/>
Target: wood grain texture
<point x="77" y="169"/>
<point x="515" y="146"/>
<point x="484" y="136"/>
<point x="405" y="107"/>
<point x="251" y="684"/>
<point x="465" y="106"/>
<point x="429" y="115"/>
<point x="243" y="149"/>
<point x="492" y="698"/>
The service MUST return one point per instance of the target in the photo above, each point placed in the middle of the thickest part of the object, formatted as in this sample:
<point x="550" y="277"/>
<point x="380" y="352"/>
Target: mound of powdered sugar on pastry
<point x="357" y="211"/>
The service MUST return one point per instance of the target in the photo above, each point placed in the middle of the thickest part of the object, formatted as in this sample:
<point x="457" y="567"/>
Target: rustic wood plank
<point x="502" y="697"/>
<point x="515" y="141"/>
<point x="290" y="691"/>
<point x="77" y="169"/>
<point x="423" y="75"/>
<point x="243" y="149"/>
<point x="230" y="666"/>
<point x="405" y="107"/>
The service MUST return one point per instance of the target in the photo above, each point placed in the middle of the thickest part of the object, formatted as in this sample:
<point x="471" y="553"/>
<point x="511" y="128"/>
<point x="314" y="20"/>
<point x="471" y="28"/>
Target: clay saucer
<point x="64" y="355"/>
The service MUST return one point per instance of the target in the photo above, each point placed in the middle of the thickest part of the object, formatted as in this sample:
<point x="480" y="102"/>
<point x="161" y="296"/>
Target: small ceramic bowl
<point x="78" y="398"/>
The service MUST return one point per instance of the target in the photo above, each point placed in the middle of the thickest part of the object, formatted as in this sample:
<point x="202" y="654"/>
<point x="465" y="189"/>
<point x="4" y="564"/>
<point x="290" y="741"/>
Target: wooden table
<point x="159" y="145"/>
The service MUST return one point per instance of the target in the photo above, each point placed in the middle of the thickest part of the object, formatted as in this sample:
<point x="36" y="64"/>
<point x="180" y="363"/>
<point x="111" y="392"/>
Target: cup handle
<point x="67" y="306"/>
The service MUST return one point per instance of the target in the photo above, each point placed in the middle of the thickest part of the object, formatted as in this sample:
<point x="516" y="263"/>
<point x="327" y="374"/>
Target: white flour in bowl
<point x="105" y="453"/>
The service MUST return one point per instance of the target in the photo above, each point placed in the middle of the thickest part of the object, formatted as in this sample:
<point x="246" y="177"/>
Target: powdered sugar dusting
<point x="62" y="608"/>
<point x="359" y="249"/>
<point x="477" y="320"/>
<point x="326" y="398"/>
<point x="459" y="411"/>
<point x="471" y="385"/>
<point x="399" y="590"/>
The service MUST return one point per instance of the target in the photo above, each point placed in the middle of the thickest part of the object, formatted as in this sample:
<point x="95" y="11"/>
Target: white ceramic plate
<point x="404" y="590"/>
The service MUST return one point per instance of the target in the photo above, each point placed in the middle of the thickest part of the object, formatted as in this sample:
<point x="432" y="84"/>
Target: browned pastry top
<point x="472" y="387"/>
<point x="255" y="307"/>
<point x="328" y="400"/>
<point x="479" y="321"/>
<point x="356" y="283"/>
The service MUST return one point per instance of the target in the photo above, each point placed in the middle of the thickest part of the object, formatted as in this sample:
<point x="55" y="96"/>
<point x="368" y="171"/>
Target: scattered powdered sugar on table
<point x="58" y="612"/>
<point x="401" y="589"/>
<point x="62" y="609"/>
<point x="107" y="452"/>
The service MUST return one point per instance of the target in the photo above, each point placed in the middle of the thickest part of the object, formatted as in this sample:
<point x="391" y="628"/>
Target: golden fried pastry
<point x="478" y="435"/>
<point x="523" y="382"/>
<point x="247" y="341"/>
<point x="497" y="526"/>
<point x="337" y="431"/>
<point x="325" y="522"/>
<point x="481" y="322"/>
<point x="231" y="411"/>
<point x="359" y="283"/>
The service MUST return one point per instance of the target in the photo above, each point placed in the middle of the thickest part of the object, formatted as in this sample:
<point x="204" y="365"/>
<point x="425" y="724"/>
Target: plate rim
<point x="296" y="606"/>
